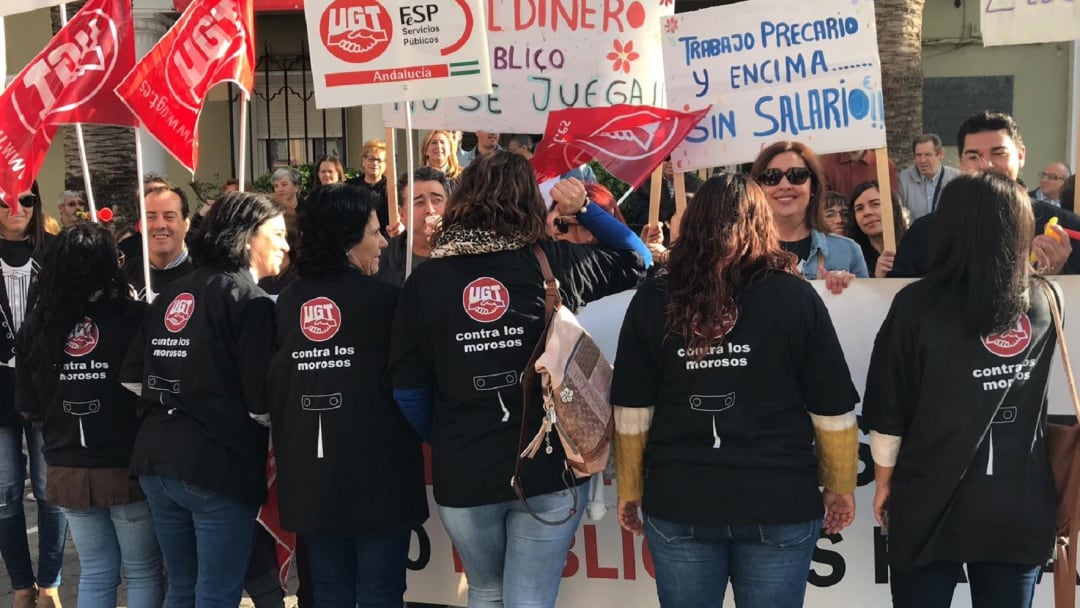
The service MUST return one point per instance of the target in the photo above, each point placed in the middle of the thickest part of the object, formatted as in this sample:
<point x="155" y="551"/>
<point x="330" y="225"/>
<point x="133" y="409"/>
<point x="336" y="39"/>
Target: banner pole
<point x="679" y="179"/>
<point x="410" y="235"/>
<point x="142" y="214"/>
<point x="654" y="195"/>
<point x="241" y="163"/>
<point x="83" y="162"/>
<point x="885" y="190"/>
<point x="390" y="172"/>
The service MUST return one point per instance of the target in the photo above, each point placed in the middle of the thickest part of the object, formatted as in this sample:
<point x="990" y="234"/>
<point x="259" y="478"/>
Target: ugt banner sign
<point x="775" y="70"/>
<point x="373" y="51"/>
<point x="549" y="55"/>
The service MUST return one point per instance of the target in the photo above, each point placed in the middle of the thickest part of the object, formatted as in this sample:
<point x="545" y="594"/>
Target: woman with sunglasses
<point x="866" y="230"/>
<point x="728" y="372"/>
<point x="23" y="242"/>
<point x="567" y="228"/>
<point x="790" y="174"/>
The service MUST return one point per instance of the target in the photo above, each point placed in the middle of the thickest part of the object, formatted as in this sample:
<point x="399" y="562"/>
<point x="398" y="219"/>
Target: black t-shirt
<point x="133" y="274"/>
<point x="731" y="440"/>
<point x="972" y="481"/>
<point x="202" y="363"/>
<point x="800" y="248"/>
<point x="348" y="462"/>
<point x="392" y="261"/>
<point x="89" y="418"/>
<point x="465" y="327"/>
<point x="379" y="190"/>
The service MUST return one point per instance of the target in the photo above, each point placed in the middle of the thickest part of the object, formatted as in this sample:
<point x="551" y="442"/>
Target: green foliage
<point x="614" y="184"/>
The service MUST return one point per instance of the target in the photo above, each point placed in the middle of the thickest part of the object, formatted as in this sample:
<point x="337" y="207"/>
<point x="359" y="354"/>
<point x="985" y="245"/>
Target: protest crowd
<point x="289" y="319"/>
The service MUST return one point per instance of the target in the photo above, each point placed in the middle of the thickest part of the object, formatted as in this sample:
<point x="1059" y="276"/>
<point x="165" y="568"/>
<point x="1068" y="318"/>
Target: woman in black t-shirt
<point x="350" y="469"/>
<point x="80" y="324"/>
<point x="956" y="408"/>
<point x="728" y="373"/>
<point x="465" y="327"/>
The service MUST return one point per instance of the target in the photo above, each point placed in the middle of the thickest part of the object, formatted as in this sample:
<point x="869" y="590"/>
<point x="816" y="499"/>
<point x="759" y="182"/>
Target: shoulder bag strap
<point x="552" y="302"/>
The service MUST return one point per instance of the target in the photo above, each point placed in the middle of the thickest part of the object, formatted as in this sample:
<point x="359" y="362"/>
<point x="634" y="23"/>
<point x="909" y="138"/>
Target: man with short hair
<point x="486" y="143"/>
<point x="921" y="183"/>
<point x="430" y="189"/>
<point x="70" y="204"/>
<point x="991" y="141"/>
<point x="522" y="144"/>
<point x="167" y="214"/>
<point x="1050" y="181"/>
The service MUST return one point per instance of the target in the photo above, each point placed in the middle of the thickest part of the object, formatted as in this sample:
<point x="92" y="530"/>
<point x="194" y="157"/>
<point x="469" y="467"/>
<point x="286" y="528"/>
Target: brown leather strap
<point x="552" y="302"/>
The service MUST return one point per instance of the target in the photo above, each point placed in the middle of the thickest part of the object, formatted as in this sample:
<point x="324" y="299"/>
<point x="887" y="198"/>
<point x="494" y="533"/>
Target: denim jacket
<point x="834" y="253"/>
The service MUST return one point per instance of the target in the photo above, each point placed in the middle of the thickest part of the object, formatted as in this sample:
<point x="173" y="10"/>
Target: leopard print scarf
<point x="458" y="240"/>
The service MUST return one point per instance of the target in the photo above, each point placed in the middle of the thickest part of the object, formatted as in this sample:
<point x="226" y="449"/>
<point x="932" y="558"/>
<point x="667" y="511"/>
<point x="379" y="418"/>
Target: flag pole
<point x="409" y="230"/>
<point x="82" y="143"/>
<point x="241" y="168"/>
<point x="142" y="214"/>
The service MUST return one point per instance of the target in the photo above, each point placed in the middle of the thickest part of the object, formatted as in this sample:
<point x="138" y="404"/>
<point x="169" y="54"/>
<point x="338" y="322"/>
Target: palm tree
<point x="899" y="30"/>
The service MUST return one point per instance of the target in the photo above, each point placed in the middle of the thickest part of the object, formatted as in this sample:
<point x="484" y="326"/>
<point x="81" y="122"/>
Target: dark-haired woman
<point x="350" y="469"/>
<point x="200" y="453"/>
<point x="732" y="401"/>
<point x="956" y="408"/>
<point x="23" y="242"/>
<point x="466" y="324"/>
<point x="81" y="322"/>
<point x="867" y="229"/>
<point x="790" y="175"/>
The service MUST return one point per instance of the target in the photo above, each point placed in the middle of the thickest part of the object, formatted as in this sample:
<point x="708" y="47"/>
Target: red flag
<point x="213" y="42"/>
<point x="629" y="141"/>
<point x="269" y="518"/>
<point x="70" y="80"/>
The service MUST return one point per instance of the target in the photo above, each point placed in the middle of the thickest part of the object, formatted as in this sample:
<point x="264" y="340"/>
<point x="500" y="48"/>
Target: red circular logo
<point x="320" y="319"/>
<point x="1011" y="342"/>
<point x="82" y="339"/>
<point x="485" y="300"/>
<point x="179" y="312"/>
<point x="355" y="31"/>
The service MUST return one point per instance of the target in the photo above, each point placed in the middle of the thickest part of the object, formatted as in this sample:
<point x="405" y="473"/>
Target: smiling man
<point x="167" y="213"/>
<point x="921" y="183"/>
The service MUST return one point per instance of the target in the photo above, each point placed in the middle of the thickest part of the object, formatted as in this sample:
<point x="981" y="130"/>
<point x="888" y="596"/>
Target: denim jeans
<point x="510" y="558"/>
<point x="368" y="572"/>
<point x="206" y="538"/>
<point x="109" y="539"/>
<point x="767" y="564"/>
<point x="52" y="526"/>
<point x="993" y="585"/>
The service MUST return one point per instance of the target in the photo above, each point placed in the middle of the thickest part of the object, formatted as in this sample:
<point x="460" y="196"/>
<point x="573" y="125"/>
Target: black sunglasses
<point x="796" y="176"/>
<point x="563" y="226"/>
<point x="26" y="200"/>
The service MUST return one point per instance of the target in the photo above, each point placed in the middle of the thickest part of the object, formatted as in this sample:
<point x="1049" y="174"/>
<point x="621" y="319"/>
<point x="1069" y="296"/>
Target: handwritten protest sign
<point x="773" y="70"/>
<point x="1029" y="22"/>
<point x="372" y="51"/>
<point x="553" y="54"/>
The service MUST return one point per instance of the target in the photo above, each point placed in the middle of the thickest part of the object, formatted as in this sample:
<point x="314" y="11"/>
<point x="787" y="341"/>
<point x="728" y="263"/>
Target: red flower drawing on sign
<point x="622" y="56"/>
<point x="671" y="25"/>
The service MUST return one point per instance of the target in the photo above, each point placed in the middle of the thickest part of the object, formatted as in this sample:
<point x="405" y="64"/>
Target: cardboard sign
<point x="775" y="70"/>
<point x="1029" y="22"/>
<point x="549" y="55"/>
<point x="371" y="51"/>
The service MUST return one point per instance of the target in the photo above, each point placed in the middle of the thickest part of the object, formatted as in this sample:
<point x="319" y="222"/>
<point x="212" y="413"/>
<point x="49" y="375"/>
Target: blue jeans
<point x="52" y="526"/>
<point x="510" y="558"/>
<point x="767" y="564"/>
<point x="367" y="572"/>
<point x="108" y="538"/>
<point x="206" y="538"/>
<point x="993" y="585"/>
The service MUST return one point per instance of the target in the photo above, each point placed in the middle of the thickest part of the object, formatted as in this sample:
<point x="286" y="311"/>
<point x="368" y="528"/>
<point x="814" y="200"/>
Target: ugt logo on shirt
<point x="179" y="312"/>
<point x="1011" y="342"/>
<point x="82" y="339"/>
<point x="320" y="319"/>
<point x="485" y="300"/>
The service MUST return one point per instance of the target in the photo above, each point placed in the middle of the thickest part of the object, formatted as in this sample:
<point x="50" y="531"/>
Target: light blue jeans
<point x="109" y="539"/>
<point x="767" y="564"/>
<point x="52" y="526"/>
<point x="510" y="558"/>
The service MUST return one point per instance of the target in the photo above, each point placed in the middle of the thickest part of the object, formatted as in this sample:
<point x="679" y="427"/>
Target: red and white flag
<point x="212" y="42"/>
<point x="71" y="80"/>
<point x="629" y="141"/>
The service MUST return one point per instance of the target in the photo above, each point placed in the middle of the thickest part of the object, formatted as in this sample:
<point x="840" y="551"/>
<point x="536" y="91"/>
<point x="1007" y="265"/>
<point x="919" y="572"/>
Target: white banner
<point x="608" y="567"/>
<point x="1029" y="22"/>
<point x="552" y="54"/>
<point x="775" y="70"/>
<point x="11" y="7"/>
<point x="372" y="51"/>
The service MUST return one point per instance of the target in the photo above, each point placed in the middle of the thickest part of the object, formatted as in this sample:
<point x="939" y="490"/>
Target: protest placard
<point x="373" y="51"/>
<point x="775" y="70"/>
<point x="553" y="54"/>
<point x="1027" y="22"/>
